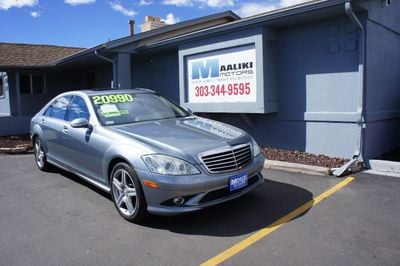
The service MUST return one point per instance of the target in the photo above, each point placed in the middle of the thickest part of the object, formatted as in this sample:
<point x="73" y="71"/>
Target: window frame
<point x="2" y="92"/>
<point x="31" y="89"/>
<point x="70" y="105"/>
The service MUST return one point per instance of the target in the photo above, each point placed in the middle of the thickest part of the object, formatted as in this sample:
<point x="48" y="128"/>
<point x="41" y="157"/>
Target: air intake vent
<point x="227" y="160"/>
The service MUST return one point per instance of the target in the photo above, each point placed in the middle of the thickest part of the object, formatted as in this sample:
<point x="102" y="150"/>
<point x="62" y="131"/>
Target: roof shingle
<point x="32" y="55"/>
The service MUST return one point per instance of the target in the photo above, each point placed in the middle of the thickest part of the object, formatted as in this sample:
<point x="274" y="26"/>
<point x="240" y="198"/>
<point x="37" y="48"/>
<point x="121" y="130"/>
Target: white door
<point x="4" y="95"/>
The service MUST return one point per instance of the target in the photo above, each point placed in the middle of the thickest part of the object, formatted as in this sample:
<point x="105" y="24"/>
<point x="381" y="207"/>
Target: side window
<point x="58" y="108"/>
<point x="48" y="111"/>
<point x="77" y="109"/>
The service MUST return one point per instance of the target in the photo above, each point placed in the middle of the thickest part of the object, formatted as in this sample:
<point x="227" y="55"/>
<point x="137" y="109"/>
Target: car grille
<point x="227" y="160"/>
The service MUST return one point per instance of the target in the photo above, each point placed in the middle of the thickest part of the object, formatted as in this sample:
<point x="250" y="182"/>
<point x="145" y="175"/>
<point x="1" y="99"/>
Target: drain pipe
<point x="360" y="110"/>
<point x="114" y="81"/>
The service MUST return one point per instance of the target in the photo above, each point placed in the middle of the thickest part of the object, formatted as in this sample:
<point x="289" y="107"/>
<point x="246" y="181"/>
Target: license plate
<point x="237" y="181"/>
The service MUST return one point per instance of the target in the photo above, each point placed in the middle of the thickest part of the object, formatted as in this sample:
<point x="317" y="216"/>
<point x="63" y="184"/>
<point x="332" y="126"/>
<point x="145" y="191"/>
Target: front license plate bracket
<point x="238" y="181"/>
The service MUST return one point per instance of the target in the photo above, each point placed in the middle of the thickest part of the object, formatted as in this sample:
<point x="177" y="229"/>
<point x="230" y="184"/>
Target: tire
<point x="127" y="193"/>
<point x="40" y="155"/>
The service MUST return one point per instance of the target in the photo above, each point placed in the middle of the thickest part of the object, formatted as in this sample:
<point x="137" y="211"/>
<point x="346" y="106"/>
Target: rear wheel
<point x="40" y="155"/>
<point x="127" y="193"/>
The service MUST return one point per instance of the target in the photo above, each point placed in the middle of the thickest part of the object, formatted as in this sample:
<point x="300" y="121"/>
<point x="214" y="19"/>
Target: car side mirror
<point x="79" y="122"/>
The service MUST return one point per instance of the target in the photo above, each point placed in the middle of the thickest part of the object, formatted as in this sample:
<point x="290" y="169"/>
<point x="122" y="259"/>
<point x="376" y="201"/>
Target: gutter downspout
<point x="360" y="110"/>
<point x="115" y="79"/>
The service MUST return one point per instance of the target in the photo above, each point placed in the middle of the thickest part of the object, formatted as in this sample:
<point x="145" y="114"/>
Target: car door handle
<point x="42" y="122"/>
<point x="65" y="129"/>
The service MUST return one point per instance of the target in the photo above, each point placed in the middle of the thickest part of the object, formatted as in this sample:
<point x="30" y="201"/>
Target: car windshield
<point x="125" y="108"/>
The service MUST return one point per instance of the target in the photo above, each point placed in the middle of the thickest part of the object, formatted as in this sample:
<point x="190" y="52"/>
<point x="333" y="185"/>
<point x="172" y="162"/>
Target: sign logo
<point x="212" y="69"/>
<point x="208" y="70"/>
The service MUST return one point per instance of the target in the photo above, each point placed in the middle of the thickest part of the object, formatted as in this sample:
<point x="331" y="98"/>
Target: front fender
<point x="125" y="152"/>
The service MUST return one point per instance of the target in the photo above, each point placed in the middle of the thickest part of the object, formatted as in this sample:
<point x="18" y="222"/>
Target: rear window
<point x="125" y="108"/>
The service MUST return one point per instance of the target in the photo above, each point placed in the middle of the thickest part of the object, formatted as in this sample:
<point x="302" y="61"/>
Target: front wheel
<point x="127" y="194"/>
<point x="40" y="155"/>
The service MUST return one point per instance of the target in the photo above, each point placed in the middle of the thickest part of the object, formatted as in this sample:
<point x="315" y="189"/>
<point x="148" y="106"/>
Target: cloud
<point x="79" y="2"/>
<point x="145" y="2"/>
<point x="252" y="8"/>
<point x="35" y="14"/>
<point x="118" y="7"/>
<point x="171" y="19"/>
<point x="178" y="2"/>
<point x="217" y="3"/>
<point x="285" y="3"/>
<point x="7" y="4"/>
<point x="200" y="3"/>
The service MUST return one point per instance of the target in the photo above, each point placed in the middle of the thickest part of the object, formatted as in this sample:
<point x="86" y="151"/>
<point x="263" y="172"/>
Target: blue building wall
<point x="382" y="78"/>
<point x="157" y="72"/>
<point x="317" y="81"/>
<point x="56" y="81"/>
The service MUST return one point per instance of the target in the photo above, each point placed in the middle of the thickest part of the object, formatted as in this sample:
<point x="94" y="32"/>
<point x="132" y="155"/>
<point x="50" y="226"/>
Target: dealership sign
<point x="227" y="75"/>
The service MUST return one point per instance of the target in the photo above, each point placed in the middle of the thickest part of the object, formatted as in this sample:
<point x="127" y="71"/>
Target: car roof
<point x="102" y="91"/>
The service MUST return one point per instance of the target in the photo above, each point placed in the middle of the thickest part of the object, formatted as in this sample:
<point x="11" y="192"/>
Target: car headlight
<point x="167" y="165"/>
<point x="256" y="148"/>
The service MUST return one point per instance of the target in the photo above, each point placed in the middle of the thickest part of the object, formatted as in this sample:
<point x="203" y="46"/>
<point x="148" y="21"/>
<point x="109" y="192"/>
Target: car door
<point x="53" y="127"/>
<point x="80" y="143"/>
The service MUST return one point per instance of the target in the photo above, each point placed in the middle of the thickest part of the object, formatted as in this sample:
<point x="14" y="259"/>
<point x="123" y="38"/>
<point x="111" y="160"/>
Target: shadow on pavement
<point x="254" y="211"/>
<point x="261" y="207"/>
<point x="79" y="180"/>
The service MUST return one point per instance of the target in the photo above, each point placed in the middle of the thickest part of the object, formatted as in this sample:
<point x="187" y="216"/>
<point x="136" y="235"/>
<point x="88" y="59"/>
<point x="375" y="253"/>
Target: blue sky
<point x="85" y="23"/>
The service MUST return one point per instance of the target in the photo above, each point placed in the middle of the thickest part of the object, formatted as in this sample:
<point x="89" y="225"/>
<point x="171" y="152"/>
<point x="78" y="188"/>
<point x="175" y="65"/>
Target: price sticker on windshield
<point x="112" y="98"/>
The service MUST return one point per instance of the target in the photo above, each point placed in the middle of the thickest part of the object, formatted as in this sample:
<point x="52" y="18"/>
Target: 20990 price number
<point x="222" y="90"/>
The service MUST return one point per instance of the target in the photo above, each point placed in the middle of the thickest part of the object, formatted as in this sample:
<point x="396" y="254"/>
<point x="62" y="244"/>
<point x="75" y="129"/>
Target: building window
<point x="1" y="85"/>
<point x="31" y="83"/>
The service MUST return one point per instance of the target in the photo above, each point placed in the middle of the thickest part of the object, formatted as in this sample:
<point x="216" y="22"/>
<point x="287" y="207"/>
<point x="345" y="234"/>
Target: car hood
<point x="184" y="137"/>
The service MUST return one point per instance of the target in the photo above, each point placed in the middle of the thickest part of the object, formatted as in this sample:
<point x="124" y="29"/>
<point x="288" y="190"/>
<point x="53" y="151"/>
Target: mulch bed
<point x="23" y="144"/>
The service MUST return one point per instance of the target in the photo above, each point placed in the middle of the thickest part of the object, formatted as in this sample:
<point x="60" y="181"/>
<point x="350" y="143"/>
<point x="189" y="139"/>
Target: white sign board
<point x="223" y="76"/>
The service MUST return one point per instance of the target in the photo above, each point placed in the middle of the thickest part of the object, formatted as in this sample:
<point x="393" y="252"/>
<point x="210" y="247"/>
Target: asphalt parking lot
<point x="55" y="218"/>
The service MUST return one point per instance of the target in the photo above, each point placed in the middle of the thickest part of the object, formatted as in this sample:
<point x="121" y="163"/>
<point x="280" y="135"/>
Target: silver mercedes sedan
<point x="152" y="155"/>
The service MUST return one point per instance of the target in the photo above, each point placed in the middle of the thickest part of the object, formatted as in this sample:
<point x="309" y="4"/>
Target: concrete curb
<point x="17" y="150"/>
<point x="385" y="166"/>
<point x="297" y="168"/>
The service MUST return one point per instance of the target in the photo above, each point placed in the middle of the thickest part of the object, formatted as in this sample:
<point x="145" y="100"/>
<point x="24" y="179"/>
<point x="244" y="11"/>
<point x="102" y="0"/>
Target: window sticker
<point x="109" y="110"/>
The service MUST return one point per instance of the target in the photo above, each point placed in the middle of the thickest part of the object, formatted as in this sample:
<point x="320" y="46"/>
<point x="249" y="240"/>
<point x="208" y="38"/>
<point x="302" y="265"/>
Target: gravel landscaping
<point x="303" y="158"/>
<point x="16" y="144"/>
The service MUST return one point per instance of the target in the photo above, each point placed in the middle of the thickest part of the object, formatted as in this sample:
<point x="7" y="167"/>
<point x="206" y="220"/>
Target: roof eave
<point x="79" y="54"/>
<point x="226" y="14"/>
<point x="12" y="67"/>
<point x="254" y="20"/>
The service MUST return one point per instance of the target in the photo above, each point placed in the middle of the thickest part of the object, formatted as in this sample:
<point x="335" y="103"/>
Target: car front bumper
<point x="198" y="191"/>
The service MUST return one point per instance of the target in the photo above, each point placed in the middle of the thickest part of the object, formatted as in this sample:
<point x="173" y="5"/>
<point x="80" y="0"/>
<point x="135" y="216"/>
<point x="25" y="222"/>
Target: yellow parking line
<point x="274" y="226"/>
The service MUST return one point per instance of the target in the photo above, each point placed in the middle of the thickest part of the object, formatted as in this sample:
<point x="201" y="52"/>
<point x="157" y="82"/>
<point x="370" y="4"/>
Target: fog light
<point x="178" y="200"/>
